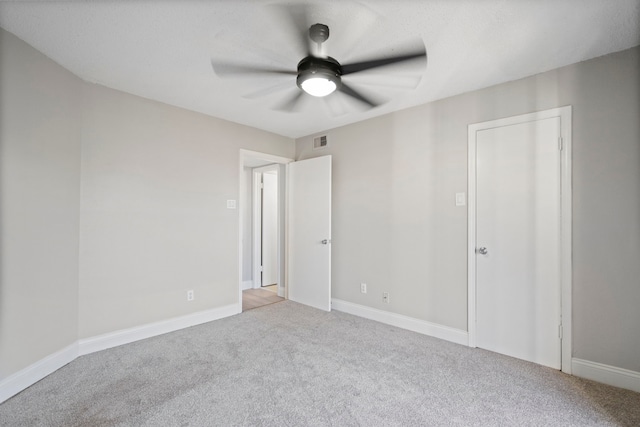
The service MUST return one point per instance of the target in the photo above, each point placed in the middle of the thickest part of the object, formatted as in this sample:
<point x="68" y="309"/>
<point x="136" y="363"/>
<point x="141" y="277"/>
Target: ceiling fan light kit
<point x="319" y="76"/>
<point x="318" y="86"/>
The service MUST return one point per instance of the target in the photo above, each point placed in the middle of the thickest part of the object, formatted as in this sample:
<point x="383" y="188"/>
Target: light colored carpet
<point x="290" y="365"/>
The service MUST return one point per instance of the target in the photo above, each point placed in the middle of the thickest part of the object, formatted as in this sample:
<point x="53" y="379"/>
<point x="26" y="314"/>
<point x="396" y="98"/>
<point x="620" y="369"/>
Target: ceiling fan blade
<point x="295" y="20"/>
<point x="348" y="90"/>
<point x="269" y="90"/>
<point x="389" y="80"/>
<point x="374" y="63"/>
<point x="226" y="69"/>
<point x="291" y="104"/>
<point x="335" y="106"/>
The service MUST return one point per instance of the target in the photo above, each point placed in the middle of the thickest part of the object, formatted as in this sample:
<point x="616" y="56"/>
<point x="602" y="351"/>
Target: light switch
<point x="231" y="204"/>
<point x="460" y="199"/>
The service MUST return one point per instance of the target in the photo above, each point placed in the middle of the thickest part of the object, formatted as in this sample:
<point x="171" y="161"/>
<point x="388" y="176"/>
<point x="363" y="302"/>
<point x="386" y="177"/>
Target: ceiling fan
<point x="318" y="74"/>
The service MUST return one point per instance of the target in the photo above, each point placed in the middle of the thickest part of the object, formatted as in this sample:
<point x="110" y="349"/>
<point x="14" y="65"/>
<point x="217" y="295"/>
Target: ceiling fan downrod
<point x="319" y="76"/>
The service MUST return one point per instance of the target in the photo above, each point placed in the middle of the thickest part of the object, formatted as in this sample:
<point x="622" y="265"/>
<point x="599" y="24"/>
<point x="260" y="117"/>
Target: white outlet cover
<point x="231" y="204"/>
<point x="460" y="199"/>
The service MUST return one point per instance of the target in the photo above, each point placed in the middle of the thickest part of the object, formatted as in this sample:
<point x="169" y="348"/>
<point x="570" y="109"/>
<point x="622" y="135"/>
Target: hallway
<point x="254" y="298"/>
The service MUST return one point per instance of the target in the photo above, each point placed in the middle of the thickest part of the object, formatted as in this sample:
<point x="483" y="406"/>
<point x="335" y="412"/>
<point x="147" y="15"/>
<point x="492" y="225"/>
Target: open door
<point x="269" y="229"/>
<point x="266" y="215"/>
<point x="309" y="232"/>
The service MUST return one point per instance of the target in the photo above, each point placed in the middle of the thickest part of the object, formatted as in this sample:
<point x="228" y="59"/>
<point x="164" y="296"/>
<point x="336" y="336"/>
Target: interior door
<point x="309" y="232"/>
<point x="269" y="228"/>
<point x="518" y="265"/>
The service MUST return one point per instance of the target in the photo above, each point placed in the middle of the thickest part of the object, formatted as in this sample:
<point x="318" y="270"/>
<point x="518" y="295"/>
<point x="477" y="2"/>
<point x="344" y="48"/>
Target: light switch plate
<point x="460" y="199"/>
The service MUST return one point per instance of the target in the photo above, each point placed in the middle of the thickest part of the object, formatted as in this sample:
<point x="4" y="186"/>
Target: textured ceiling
<point x="162" y="50"/>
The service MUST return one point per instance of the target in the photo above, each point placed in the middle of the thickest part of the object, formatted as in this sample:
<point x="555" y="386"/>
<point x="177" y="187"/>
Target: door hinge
<point x="560" y="331"/>
<point x="261" y="269"/>
<point x="560" y="143"/>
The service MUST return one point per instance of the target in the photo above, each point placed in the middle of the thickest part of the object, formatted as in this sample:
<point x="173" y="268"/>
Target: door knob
<point x="325" y="242"/>
<point x="482" y="251"/>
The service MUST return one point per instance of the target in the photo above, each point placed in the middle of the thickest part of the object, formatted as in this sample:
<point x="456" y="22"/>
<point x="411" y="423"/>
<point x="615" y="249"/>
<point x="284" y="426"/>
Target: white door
<point x="309" y="232"/>
<point x="269" y="228"/>
<point x="518" y="264"/>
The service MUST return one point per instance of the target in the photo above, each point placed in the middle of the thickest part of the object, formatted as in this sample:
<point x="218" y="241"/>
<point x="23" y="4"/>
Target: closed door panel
<point x="518" y="241"/>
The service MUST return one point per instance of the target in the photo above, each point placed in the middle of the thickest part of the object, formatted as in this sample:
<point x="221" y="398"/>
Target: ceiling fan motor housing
<point x="312" y="67"/>
<point x="319" y="33"/>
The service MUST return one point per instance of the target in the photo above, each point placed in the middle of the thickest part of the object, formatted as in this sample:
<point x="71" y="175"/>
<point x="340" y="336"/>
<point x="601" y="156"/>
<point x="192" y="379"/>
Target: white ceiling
<point x="162" y="50"/>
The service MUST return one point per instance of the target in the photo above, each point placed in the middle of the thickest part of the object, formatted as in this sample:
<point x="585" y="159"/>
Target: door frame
<point x="252" y="159"/>
<point x="257" y="223"/>
<point x="564" y="113"/>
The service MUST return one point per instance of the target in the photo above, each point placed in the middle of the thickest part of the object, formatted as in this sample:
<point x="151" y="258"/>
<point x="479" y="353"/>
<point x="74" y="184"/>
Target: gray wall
<point x="154" y="221"/>
<point x="40" y="110"/>
<point x="396" y="226"/>
<point x="112" y="207"/>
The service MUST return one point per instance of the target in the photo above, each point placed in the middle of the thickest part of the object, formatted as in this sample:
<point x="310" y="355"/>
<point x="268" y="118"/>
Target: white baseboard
<point x="126" y="336"/>
<point x="247" y="284"/>
<point x="416" y="325"/>
<point x="618" y="377"/>
<point x="30" y="375"/>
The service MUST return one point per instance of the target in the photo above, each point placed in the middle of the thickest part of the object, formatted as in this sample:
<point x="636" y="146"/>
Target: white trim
<point x="282" y="227"/>
<point x="30" y="375"/>
<point x="263" y="156"/>
<point x="241" y="208"/>
<point x="446" y="333"/>
<point x="566" y="214"/>
<point x="286" y="230"/>
<point x="126" y="336"/>
<point x="471" y="237"/>
<point x="606" y="374"/>
<point x="566" y="237"/>
<point x="247" y="284"/>
<point x="256" y="228"/>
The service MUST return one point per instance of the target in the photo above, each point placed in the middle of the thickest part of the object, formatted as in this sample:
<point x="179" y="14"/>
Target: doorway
<point x="520" y="237"/>
<point x="250" y="248"/>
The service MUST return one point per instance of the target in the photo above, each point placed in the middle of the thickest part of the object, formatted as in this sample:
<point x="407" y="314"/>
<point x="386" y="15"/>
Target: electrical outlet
<point x="385" y="297"/>
<point x="363" y="288"/>
<point x="189" y="295"/>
